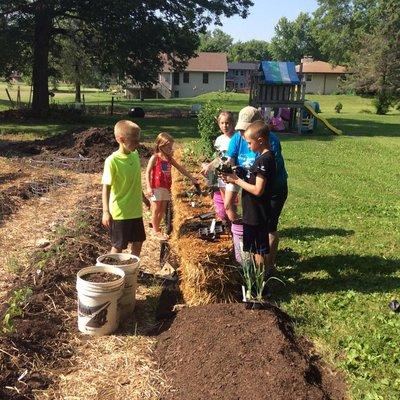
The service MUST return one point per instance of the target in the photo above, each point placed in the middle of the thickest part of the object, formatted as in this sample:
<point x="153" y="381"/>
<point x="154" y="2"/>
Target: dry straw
<point x="206" y="271"/>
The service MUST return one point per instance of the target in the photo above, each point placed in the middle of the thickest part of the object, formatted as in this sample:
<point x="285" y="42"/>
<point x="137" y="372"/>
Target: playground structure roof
<point x="279" y="72"/>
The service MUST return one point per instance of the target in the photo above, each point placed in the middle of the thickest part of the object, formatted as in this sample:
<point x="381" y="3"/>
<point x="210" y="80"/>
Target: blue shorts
<point x="255" y="238"/>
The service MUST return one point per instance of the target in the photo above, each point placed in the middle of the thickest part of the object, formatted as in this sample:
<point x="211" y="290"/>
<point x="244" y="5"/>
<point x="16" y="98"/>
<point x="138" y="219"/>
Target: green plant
<point x="13" y="265"/>
<point x="338" y="107"/>
<point x="207" y="122"/>
<point x="16" y="306"/>
<point x="382" y="103"/>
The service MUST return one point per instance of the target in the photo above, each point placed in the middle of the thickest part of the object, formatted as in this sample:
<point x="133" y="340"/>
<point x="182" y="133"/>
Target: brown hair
<point x="125" y="128"/>
<point x="258" y="129"/>
<point x="162" y="139"/>
<point x="228" y="114"/>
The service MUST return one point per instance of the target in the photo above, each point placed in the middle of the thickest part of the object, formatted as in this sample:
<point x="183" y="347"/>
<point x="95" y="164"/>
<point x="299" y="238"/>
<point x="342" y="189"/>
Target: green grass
<point x="340" y="254"/>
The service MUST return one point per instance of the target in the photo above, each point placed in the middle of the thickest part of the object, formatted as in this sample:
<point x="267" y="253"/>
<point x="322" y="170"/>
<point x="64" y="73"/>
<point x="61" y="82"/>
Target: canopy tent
<point x="279" y="72"/>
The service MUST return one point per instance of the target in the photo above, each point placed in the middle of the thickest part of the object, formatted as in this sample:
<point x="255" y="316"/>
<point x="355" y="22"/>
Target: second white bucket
<point x="131" y="268"/>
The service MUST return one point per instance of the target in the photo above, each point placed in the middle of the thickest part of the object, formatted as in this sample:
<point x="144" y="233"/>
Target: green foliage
<point x="207" y="122"/>
<point x="294" y="39"/>
<point x="382" y="103"/>
<point x="252" y="50"/>
<point x="16" y="307"/>
<point x="13" y="265"/>
<point x="338" y="107"/>
<point x="215" y="42"/>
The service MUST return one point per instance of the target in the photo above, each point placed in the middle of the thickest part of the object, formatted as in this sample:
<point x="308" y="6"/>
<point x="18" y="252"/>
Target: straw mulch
<point x="207" y="270"/>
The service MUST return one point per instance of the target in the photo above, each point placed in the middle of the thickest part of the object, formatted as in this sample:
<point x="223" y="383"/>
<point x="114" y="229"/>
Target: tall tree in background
<point x="252" y="50"/>
<point x="129" y="35"/>
<point x="215" y="42"/>
<point x="339" y="27"/>
<point x="294" y="39"/>
<point x="375" y="66"/>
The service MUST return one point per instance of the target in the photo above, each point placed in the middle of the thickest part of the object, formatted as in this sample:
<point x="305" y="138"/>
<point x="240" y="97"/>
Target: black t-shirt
<point x="256" y="209"/>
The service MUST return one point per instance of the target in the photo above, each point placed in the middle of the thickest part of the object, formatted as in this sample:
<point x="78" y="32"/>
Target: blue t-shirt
<point x="239" y="151"/>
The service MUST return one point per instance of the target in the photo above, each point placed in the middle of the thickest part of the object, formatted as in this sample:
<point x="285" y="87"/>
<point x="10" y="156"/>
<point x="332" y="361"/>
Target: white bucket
<point x="98" y="302"/>
<point x="128" y="299"/>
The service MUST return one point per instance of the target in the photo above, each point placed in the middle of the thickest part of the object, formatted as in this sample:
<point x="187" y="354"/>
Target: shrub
<point x="338" y="107"/>
<point x="207" y="122"/>
<point x="382" y="103"/>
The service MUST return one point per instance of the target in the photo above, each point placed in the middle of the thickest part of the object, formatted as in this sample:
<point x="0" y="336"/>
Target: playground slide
<point x="323" y="120"/>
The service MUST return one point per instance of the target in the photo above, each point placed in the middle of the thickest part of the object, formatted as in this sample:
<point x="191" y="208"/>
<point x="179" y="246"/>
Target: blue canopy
<point x="279" y="72"/>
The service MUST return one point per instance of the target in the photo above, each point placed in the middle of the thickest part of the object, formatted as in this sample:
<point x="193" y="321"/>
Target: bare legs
<point x="136" y="248"/>
<point x="273" y="248"/>
<point x="158" y="214"/>
<point x="230" y="205"/>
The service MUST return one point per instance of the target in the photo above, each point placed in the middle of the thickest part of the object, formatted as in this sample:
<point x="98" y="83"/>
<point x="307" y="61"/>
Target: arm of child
<point x="183" y="170"/>
<point x="257" y="189"/>
<point x="149" y="168"/>
<point x="105" y="197"/>
<point x="146" y="201"/>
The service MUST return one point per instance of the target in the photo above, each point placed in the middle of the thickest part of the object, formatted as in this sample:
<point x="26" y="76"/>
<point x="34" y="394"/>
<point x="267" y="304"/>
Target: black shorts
<point x="277" y="202"/>
<point x="255" y="239"/>
<point x="125" y="231"/>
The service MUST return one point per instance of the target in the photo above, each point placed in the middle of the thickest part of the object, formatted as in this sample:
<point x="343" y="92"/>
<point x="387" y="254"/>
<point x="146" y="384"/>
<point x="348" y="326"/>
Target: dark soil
<point x="82" y="150"/>
<point x="114" y="261"/>
<point x="223" y="351"/>
<point x="100" y="277"/>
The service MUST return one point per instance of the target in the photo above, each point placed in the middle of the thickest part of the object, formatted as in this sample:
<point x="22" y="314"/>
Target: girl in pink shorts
<point x="159" y="179"/>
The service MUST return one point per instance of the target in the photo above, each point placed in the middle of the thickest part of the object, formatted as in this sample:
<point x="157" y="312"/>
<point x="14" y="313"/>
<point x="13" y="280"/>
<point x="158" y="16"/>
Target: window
<point x="176" y="93"/>
<point x="236" y="72"/>
<point x="205" y="77"/>
<point x="241" y="84"/>
<point x="308" y="77"/>
<point x="176" y="78"/>
<point x="186" y="77"/>
<point x="241" y="72"/>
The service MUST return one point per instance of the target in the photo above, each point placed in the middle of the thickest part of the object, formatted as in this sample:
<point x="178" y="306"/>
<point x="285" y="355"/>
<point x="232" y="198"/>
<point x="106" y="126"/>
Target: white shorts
<point x="161" y="194"/>
<point x="231" y="187"/>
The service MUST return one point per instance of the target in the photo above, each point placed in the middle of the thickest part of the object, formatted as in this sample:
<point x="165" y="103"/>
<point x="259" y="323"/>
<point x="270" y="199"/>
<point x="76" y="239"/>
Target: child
<point x="159" y="180"/>
<point x="257" y="189"/>
<point x="226" y="124"/>
<point x="122" y="191"/>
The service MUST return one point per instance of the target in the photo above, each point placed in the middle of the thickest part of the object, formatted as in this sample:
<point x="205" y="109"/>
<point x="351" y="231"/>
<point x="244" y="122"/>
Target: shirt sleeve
<point x="107" y="178"/>
<point x="263" y="166"/>
<point x="233" y="149"/>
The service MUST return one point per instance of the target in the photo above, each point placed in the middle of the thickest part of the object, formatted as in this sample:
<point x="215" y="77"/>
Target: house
<point x="238" y="77"/>
<point x="320" y="77"/>
<point x="204" y="73"/>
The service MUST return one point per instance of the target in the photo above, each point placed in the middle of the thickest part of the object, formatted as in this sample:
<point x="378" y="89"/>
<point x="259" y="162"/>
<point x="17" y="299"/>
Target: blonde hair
<point x="227" y="114"/>
<point x="258" y="129"/>
<point x="162" y="139"/>
<point x="126" y="128"/>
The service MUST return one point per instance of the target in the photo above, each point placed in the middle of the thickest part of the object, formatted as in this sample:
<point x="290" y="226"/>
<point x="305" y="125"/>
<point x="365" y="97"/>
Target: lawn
<point x="340" y="254"/>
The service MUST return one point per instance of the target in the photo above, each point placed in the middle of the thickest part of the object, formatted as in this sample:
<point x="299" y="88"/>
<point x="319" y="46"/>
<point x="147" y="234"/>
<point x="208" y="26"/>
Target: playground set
<point x="278" y="91"/>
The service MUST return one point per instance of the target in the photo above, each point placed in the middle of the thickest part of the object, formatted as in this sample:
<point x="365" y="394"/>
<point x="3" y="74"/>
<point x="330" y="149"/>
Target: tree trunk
<point x="40" y="73"/>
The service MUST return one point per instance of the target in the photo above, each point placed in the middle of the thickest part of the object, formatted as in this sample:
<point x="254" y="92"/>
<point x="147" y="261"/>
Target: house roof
<point x="205" y="62"/>
<point x="321" y="67"/>
<point x="243" y="65"/>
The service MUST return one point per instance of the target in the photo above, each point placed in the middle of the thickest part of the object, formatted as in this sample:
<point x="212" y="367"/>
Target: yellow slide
<point x="323" y="120"/>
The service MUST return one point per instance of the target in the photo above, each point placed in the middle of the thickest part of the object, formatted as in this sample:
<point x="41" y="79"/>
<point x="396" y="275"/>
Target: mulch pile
<point x="222" y="351"/>
<point x="39" y="346"/>
<point x="88" y="147"/>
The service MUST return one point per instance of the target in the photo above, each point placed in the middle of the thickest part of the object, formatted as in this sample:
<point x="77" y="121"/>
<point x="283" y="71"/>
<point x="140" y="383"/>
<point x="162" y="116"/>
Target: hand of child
<point x="106" y="219"/>
<point x="149" y="192"/>
<point x="205" y="167"/>
<point x="229" y="178"/>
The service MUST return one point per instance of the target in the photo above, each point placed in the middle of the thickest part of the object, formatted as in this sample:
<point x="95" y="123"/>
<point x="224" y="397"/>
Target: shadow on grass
<point x="311" y="233"/>
<point x="363" y="274"/>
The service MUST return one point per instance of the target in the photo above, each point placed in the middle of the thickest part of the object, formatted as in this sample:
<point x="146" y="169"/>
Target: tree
<point x="129" y="35"/>
<point x="294" y="39"/>
<point x="252" y="50"/>
<point x="215" y="42"/>
<point x="375" y="66"/>
<point x="340" y="25"/>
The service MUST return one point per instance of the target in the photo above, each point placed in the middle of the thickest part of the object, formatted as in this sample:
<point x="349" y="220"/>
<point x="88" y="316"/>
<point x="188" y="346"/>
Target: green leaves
<point x="15" y="308"/>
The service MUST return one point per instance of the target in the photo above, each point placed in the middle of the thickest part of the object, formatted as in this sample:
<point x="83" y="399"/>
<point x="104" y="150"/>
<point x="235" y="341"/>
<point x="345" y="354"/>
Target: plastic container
<point x="219" y="206"/>
<point x="128" y="299"/>
<point x="237" y="234"/>
<point x="98" y="301"/>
